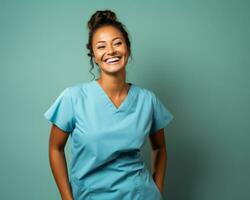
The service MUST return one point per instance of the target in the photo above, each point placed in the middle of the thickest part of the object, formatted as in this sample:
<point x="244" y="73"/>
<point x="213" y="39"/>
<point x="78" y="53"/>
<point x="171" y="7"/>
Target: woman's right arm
<point x="58" y="164"/>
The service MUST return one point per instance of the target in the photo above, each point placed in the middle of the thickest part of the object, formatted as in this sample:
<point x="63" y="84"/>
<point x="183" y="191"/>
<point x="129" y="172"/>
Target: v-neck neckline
<point x="125" y="101"/>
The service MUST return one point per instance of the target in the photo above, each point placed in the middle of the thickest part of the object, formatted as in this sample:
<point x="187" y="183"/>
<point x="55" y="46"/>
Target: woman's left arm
<point x="158" y="144"/>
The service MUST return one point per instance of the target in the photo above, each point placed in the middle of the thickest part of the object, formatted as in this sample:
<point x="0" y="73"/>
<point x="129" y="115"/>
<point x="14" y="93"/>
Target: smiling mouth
<point x="113" y="60"/>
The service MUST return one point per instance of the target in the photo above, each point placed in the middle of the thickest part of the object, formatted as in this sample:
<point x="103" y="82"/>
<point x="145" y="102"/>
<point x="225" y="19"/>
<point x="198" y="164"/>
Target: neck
<point x="113" y="86"/>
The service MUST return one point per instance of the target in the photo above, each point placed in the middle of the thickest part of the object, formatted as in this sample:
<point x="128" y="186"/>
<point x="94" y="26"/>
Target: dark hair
<point x="103" y="18"/>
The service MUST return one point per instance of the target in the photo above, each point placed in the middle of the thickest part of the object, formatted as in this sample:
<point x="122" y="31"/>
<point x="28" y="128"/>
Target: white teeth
<point x="112" y="59"/>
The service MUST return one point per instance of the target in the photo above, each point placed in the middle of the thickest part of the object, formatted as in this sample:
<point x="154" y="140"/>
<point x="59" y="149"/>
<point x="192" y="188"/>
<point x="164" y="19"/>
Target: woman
<point x="108" y="120"/>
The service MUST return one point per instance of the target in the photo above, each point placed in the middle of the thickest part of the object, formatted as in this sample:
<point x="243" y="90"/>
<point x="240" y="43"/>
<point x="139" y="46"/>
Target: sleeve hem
<point x="57" y="124"/>
<point x="164" y="124"/>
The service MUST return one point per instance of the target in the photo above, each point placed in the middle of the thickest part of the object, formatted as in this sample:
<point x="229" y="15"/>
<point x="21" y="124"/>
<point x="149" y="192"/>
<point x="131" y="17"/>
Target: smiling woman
<point x="108" y="120"/>
<point x="106" y="33"/>
<point x="110" y="51"/>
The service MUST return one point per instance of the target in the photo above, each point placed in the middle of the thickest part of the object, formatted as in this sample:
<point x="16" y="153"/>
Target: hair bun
<point x="100" y="17"/>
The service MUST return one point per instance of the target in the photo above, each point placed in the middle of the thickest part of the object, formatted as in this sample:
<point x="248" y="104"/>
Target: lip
<point x="113" y="57"/>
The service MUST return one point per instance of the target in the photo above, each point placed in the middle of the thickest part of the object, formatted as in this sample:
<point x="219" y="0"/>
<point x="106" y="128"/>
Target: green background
<point x="193" y="54"/>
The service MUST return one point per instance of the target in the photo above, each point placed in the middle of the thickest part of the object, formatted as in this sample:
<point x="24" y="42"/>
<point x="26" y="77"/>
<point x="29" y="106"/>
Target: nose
<point x="110" y="49"/>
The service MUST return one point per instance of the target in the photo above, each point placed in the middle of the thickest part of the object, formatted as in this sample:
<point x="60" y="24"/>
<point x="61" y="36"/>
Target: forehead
<point x="106" y="33"/>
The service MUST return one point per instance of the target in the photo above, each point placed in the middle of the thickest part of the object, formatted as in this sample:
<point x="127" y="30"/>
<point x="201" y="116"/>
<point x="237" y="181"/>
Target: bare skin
<point x="157" y="141"/>
<point x="58" y="164"/>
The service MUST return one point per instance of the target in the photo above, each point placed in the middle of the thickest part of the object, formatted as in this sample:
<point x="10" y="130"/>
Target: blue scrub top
<point x="106" y="141"/>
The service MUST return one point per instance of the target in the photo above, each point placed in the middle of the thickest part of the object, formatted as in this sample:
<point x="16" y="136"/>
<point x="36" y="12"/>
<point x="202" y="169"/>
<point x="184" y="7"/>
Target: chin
<point x="113" y="68"/>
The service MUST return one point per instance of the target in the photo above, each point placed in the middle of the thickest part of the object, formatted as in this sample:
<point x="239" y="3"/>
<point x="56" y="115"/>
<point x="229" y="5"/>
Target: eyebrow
<point x="112" y="39"/>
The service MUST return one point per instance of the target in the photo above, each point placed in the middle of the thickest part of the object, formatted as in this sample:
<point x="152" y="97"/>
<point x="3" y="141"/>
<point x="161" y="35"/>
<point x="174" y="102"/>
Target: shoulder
<point x="145" y="93"/>
<point x="143" y="90"/>
<point x="79" y="88"/>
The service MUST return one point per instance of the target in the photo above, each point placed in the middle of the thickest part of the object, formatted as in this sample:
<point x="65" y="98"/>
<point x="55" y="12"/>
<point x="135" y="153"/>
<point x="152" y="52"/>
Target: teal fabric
<point x="106" y="140"/>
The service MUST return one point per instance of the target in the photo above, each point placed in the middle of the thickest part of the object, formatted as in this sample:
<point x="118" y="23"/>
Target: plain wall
<point x="193" y="54"/>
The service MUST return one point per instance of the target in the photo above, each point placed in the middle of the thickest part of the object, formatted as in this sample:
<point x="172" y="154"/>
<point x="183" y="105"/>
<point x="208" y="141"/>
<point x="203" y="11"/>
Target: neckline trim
<point x="125" y="102"/>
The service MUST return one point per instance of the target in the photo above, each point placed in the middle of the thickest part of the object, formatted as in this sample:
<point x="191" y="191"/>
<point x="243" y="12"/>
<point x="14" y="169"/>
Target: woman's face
<point x="110" y="49"/>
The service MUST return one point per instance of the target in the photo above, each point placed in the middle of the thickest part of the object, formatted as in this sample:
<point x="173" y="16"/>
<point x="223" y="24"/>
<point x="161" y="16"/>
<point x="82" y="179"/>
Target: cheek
<point x="98" y="56"/>
<point x="124" y="51"/>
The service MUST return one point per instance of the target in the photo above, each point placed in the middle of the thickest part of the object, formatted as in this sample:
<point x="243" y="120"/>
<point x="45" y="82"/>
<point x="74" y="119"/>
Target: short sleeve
<point x="161" y="116"/>
<point x="61" y="112"/>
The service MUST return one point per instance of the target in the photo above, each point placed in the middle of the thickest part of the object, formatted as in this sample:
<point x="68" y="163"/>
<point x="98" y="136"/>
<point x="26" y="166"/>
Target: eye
<point x="118" y="43"/>
<point x="100" y="47"/>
